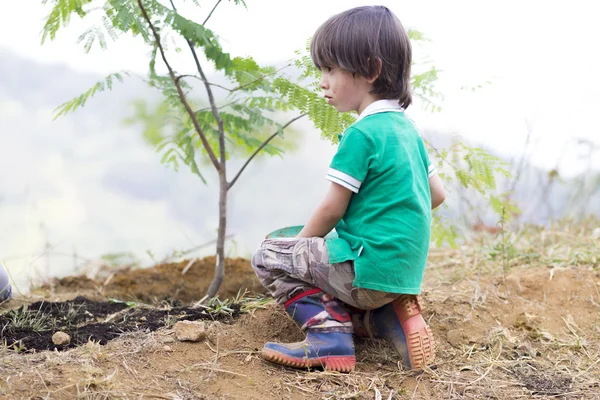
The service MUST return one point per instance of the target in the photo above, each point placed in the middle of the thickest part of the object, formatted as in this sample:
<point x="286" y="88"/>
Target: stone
<point x="192" y="331"/>
<point x="61" y="339"/>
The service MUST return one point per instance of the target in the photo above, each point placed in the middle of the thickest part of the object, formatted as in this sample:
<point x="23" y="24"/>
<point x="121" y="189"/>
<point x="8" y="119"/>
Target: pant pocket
<point x="278" y="254"/>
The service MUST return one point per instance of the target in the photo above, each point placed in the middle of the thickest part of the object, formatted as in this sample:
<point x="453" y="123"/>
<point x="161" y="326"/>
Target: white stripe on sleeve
<point x="432" y="170"/>
<point x="343" y="179"/>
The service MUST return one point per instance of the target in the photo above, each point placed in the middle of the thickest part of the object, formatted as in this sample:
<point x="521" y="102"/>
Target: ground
<point x="516" y="316"/>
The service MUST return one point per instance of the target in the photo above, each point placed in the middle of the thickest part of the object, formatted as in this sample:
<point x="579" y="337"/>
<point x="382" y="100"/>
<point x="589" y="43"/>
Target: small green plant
<point x="504" y="247"/>
<point x="69" y="313"/>
<point x="18" y="347"/>
<point x="25" y="319"/>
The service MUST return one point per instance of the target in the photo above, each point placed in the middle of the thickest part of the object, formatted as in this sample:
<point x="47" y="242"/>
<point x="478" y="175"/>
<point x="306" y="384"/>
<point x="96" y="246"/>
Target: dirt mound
<point x="166" y="282"/>
<point x="532" y="333"/>
<point x="538" y="302"/>
<point x="30" y="328"/>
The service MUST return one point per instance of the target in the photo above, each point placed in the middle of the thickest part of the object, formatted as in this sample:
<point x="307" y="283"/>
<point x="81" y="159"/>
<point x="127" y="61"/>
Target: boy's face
<point x="344" y="91"/>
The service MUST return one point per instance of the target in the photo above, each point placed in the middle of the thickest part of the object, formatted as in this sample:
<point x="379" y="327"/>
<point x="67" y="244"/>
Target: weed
<point x="23" y="318"/>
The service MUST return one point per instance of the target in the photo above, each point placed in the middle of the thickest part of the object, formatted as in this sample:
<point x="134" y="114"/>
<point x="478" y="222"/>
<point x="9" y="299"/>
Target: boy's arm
<point x="329" y="212"/>
<point x="438" y="194"/>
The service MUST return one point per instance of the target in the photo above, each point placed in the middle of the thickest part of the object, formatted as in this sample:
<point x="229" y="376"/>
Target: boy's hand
<point x="329" y="212"/>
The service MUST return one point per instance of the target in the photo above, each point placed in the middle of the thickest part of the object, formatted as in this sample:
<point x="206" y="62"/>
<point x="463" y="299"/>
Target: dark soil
<point x="31" y="327"/>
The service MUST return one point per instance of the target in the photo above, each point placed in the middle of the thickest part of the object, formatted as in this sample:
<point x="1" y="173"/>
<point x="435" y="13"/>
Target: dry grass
<point x="503" y="329"/>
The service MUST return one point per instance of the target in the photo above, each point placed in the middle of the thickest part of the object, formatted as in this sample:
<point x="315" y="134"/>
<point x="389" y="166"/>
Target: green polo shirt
<point x="386" y="227"/>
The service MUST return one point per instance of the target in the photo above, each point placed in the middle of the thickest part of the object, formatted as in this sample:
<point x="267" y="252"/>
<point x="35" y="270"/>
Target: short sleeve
<point x="431" y="170"/>
<point x="350" y="164"/>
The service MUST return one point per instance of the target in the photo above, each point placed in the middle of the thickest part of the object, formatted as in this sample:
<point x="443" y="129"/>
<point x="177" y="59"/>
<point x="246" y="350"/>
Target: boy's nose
<point x="323" y="84"/>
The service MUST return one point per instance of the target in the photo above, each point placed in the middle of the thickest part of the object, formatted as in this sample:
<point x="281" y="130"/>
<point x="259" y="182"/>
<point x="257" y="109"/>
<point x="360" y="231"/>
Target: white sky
<point x="541" y="57"/>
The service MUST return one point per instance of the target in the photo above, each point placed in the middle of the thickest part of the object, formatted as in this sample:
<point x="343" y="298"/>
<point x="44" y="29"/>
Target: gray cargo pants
<point x="288" y="266"/>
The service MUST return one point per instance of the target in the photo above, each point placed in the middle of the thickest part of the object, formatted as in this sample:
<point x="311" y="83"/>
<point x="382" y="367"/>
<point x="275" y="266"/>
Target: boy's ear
<point x="377" y="65"/>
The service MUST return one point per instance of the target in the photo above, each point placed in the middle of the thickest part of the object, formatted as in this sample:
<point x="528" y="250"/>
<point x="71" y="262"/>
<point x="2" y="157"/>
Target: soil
<point x="165" y="282"/>
<point x="533" y="332"/>
<point x="30" y="328"/>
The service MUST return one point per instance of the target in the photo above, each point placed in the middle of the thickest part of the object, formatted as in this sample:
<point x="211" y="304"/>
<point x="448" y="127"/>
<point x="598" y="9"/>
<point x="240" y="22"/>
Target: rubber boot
<point x="402" y="324"/>
<point x="328" y="342"/>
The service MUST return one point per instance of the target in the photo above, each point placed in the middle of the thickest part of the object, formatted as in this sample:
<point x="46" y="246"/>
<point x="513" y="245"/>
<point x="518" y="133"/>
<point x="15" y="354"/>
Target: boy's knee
<point x="257" y="259"/>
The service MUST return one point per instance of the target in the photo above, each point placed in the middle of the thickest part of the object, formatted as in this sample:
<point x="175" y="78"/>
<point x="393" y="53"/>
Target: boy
<point x="382" y="190"/>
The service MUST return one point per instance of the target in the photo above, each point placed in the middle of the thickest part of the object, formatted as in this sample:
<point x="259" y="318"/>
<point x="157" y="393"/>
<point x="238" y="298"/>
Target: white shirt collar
<point x="380" y="106"/>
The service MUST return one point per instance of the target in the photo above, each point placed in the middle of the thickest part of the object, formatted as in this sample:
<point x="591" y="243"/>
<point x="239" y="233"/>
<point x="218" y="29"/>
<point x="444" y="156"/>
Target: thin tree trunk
<point x="220" y="262"/>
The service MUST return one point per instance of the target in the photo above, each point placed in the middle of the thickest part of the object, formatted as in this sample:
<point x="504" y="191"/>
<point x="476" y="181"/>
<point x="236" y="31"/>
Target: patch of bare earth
<point x="518" y="325"/>
<point x="186" y="281"/>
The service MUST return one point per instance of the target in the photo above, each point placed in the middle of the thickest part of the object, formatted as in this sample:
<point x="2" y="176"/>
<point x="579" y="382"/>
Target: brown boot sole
<point x="419" y="338"/>
<point x="329" y="363"/>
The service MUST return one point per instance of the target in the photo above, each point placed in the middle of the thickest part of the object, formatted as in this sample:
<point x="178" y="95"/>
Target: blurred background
<point x="519" y="79"/>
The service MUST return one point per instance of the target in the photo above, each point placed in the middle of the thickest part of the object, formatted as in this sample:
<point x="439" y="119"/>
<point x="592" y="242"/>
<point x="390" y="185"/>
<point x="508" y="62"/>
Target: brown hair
<point x="358" y="39"/>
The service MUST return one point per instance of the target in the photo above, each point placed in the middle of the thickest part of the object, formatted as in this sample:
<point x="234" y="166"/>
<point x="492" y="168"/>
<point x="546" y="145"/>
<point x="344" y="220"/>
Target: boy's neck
<point x="367" y="101"/>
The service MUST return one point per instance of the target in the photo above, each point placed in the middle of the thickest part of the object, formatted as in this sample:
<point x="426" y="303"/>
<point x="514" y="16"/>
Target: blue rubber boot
<point x="402" y="324"/>
<point x="328" y="342"/>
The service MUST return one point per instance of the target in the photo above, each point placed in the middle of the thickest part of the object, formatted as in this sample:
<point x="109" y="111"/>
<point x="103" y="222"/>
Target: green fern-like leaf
<point x="196" y="34"/>
<point x="60" y="16"/>
<point x="80" y="100"/>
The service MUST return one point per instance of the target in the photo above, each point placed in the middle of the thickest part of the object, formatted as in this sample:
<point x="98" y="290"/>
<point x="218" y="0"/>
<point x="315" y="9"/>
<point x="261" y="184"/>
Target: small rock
<point x="167" y="348"/>
<point x="167" y="339"/>
<point x="193" y="331"/>
<point x="526" y="321"/>
<point x="61" y="339"/>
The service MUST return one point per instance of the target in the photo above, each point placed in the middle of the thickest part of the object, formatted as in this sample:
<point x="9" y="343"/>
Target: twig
<point x="63" y="388"/>
<point x="193" y="249"/>
<point x="217" y="370"/>
<point x="260" y="148"/>
<point x="260" y="78"/>
<point x="220" y="107"/>
<point x="235" y="89"/>
<point x="204" y="81"/>
<point x="188" y="266"/>
<point x="189" y="110"/>
<point x="43" y="382"/>
<point x="154" y="395"/>
<point x="210" y="14"/>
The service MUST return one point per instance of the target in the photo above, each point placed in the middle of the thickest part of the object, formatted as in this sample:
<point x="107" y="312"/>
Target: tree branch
<point x="189" y="110"/>
<point x="235" y="89"/>
<point x="262" y="77"/>
<point x="262" y="146"/>
<point x="205" y="82"/>
<point x="211" y="12"/>
<point x="220" y="107"/>
<point x="211" y="97"/>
